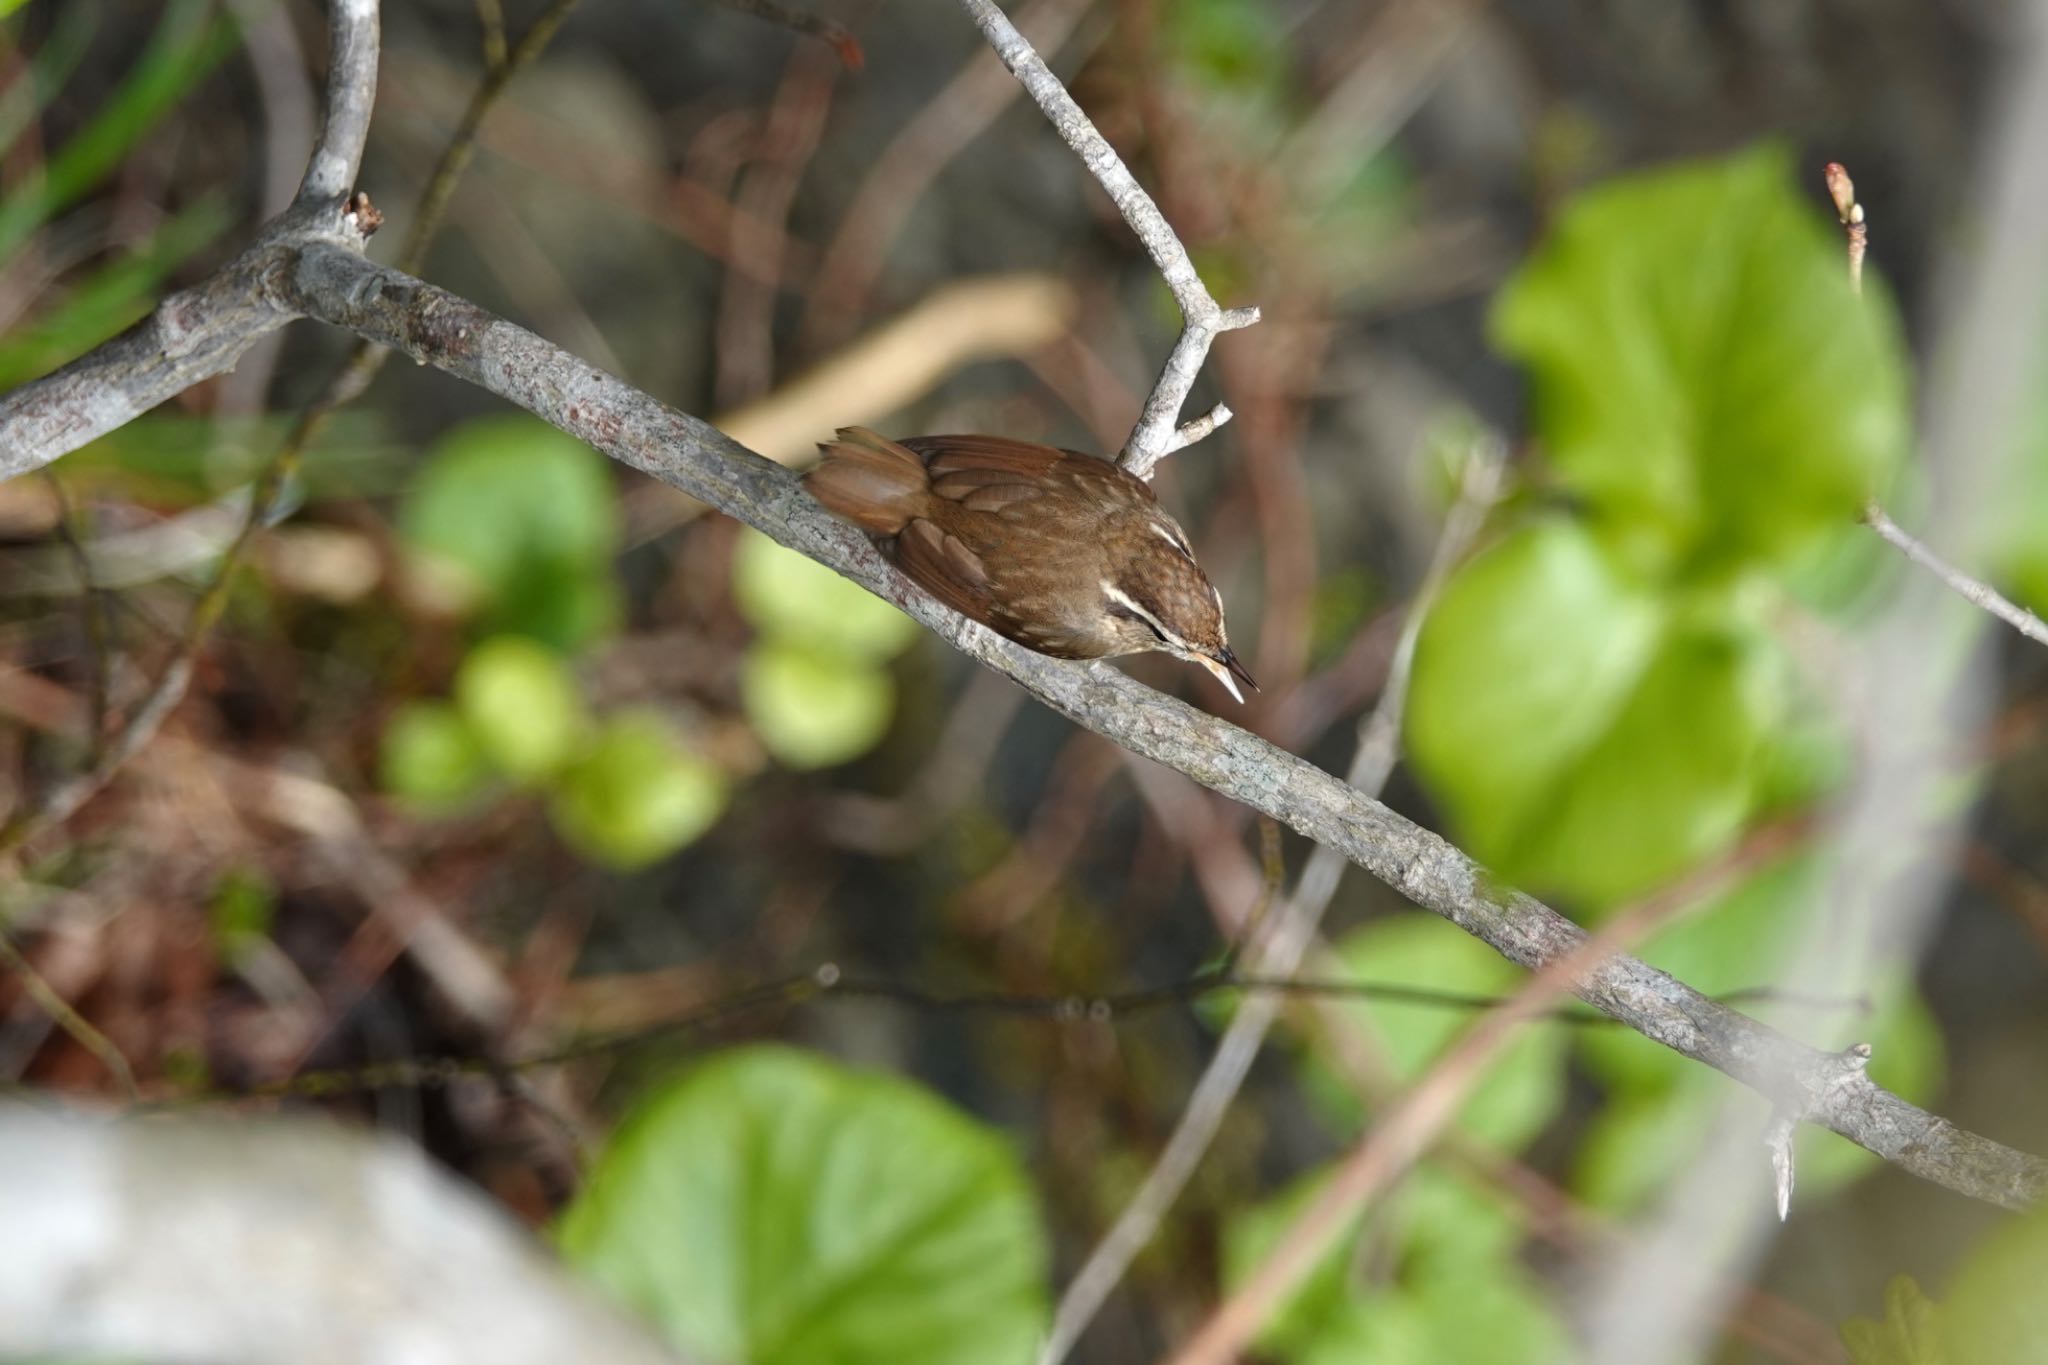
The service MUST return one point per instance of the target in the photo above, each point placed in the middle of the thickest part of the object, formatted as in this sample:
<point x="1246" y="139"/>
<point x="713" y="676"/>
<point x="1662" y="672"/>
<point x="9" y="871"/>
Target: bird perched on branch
<point x="1062" y="552"/>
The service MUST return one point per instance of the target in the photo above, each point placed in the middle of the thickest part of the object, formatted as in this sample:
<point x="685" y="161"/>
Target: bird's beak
<point x="1228" y="671"/>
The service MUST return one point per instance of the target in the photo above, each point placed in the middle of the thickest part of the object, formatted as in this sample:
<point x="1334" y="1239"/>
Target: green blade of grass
<point x="187" y="43"/>
<point x="112" y="297"/>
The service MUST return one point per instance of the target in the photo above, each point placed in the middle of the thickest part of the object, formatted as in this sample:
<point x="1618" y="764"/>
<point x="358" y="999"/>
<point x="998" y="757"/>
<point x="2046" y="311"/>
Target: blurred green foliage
<point x="1599" y="700"/>
<point x="431" y="759"/>
<point x="516" y="524"/>
<point x="243" y="909"/>
<point x="1910" y="1333"/>
<point x="190" y="38"/>
<point x="813" y="682"/>
<point x="637" y="794"/>
<point x="1994" y="1309"/>
<point x="777" y="1208"/>
<point x="1432" y="1277"/>
<point x="1521" y="1091"/>
<point x="519" y="522"/>
<point x="111" y="298"/>
<point x="1994" y="1312"/>
<point x="176" y="459"/>
<point x="522" y="704"/>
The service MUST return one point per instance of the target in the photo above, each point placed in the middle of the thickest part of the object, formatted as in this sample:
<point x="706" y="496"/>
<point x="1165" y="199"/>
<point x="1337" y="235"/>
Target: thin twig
<point x="943" y="127"/>
<point x="1158" y="432"/>
<point x="841" y="40"/>
<point x="1842" y="190"/>
<point x="99" y="629"/>
<point x="826" y="982"/>
<point x="1278" y="954"/>
<point x="1856" y="232"/>
<point x="81" y="1030"/>
<point x="1974" y="591"/>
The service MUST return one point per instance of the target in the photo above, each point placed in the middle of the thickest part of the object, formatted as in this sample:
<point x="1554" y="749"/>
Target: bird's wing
<point x="943" y="566"/>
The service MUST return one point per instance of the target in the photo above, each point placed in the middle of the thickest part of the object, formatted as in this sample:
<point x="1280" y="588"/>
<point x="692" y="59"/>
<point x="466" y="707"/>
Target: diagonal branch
<point x="1158" y="433"/>
<point x="437" y="328"/>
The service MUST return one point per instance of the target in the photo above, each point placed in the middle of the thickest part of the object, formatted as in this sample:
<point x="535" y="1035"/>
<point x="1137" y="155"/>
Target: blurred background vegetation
<point x="497" y="749"/>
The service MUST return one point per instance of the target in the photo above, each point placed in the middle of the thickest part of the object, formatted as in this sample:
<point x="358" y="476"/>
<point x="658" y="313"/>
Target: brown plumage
<point x="1057" y="550"/>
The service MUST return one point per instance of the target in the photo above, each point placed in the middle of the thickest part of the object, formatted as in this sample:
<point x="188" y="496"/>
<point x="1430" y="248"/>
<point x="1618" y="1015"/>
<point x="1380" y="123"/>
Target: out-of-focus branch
<point x="437" y="328"/>
<point x="1277" y="953"/>
<point x="1158" y="433"/>
<point x="1404" y="1132"/>
<point x="243" y="1243"/>
<point x="896" y="182"/>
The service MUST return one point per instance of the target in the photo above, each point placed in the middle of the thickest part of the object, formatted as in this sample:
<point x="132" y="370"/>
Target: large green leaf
<point x="1521" y="1091"/>
<point x="775" y="1208"/>
<point x="1585" y="735"/>
<point x="1703" y="378"/>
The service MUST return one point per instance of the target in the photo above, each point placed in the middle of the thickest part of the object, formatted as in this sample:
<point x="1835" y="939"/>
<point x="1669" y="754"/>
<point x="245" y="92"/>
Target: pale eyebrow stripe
<point x="1119" y="596"/>
<point x="1160" y="529"/>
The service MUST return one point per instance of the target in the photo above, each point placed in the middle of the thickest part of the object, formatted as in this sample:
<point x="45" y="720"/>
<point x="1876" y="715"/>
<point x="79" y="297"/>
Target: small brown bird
<point x="1061" y="552"/>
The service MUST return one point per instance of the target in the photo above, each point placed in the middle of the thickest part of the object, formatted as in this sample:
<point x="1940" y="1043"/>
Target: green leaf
<point x="522" y="705"/>
<point x="521" y="520"/>
<point x="637" y="794"/>
<point x="801" y="601"/>
<point x="814" y="708"/>
<point x="1584" y="735"/>
<point x="1703" y="378"/>
<point x="1521" y="1091"/>
<point x="430" y="758"/>
<point x="1909" y="1335"/>
<point x="776" y="1208"/>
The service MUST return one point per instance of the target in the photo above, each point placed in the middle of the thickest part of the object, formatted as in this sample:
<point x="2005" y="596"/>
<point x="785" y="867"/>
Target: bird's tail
<point x="870" y="481"/>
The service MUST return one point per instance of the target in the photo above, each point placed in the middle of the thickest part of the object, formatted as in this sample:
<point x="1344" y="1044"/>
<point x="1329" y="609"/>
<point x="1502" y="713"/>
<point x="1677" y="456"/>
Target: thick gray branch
<point x="247" y="1244"/>
<point x="351" y="95"/>
<point x="437" y="328"/>
<point x="1158" y="433"/>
